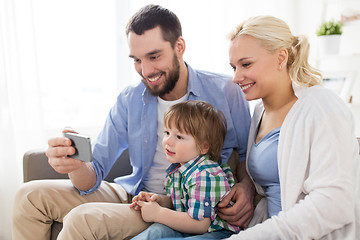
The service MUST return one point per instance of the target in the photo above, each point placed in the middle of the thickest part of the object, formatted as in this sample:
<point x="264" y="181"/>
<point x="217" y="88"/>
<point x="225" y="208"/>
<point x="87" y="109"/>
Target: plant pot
<point x="329" y="44"/>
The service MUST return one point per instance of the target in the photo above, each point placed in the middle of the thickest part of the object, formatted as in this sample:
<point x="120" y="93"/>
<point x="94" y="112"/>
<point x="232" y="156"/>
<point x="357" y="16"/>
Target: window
<point x="76" y="53"/>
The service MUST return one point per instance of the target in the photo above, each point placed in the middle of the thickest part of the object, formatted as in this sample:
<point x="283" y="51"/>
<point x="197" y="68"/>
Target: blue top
<point x="263" y="167"/>
<point x="132" y="123"/>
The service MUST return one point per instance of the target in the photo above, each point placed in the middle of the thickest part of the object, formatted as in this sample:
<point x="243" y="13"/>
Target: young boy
<point x="194" y="133"/>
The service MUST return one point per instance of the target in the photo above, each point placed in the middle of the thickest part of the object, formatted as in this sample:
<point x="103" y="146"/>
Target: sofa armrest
<point x="36" y="166"/>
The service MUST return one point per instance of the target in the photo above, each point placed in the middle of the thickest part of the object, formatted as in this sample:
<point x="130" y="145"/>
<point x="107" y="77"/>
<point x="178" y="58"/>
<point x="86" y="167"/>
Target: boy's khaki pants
<point x="104" y="214"/>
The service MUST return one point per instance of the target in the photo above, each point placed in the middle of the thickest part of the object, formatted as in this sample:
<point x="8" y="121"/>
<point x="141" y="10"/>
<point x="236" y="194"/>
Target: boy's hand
<point x="145" y="197"/>
<point x="149" y="210"/>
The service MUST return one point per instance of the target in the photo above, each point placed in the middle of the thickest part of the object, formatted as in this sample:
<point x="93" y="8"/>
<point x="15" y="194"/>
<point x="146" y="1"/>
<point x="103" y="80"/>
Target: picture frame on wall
<point x="341" y="83"/>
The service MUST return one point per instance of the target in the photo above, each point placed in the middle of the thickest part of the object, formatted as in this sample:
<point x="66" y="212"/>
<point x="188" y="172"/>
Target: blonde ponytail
<point x="299" y="69"/>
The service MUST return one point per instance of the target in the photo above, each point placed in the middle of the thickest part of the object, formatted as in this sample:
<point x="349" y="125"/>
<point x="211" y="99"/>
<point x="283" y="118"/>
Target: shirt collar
<point x="194" y="86"/>
<point x="298" y="90"/>
<point x="147" y="96"/>
<point x="176" y="167"/>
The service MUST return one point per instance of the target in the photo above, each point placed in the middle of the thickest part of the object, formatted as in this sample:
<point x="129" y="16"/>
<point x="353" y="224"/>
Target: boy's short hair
<point x="201" y="120"/>
<point x="152" y="16"/>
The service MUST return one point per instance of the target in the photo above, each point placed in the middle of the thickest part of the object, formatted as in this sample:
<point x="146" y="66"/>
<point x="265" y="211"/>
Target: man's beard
<point x="170" y="80"/>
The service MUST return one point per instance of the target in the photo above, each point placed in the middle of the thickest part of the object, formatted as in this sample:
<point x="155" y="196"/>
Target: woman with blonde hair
<point x="302" y="155"/>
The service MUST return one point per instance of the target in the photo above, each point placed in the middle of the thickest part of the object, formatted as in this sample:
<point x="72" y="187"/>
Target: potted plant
<point x="329" y="33"/>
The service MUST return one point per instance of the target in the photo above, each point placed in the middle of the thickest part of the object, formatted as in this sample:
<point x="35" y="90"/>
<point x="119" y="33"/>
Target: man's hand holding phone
<point x="82" y="174"/>
<point x="67" y="154"/>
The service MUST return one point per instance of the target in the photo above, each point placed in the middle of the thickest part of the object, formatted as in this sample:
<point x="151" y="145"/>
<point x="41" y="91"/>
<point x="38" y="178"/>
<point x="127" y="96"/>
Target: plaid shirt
<point x="197" y="187"/>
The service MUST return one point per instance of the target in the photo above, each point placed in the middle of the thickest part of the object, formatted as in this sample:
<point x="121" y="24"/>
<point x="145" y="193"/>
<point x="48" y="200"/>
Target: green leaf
<point x="329" y="28"/>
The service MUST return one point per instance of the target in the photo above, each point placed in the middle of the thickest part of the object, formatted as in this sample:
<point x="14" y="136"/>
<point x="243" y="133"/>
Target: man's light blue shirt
<point x="132" y="124"/>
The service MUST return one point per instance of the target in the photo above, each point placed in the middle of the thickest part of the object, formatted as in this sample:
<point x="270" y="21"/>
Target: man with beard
<point x="101" y="210"/>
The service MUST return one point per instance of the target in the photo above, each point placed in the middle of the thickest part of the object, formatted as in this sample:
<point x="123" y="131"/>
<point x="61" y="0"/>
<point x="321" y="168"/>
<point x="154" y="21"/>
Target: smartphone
<point x="82" y="145"/>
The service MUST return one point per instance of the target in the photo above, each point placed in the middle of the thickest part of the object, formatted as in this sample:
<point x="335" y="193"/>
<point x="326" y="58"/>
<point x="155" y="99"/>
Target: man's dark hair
<point x="152" y="16"/>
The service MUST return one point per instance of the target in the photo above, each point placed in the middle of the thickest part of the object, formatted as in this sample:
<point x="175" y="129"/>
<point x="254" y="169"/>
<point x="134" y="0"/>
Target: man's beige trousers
<point x="104" y="214"/>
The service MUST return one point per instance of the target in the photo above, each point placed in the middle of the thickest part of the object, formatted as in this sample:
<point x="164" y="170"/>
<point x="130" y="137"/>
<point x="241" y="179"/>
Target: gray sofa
<point x="36" y="167"/>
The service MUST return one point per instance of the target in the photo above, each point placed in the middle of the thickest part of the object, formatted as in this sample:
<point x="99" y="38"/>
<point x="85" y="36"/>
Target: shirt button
<point x="206" y="204"/>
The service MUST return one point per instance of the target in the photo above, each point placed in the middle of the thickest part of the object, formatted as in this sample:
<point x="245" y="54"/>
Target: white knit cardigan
<point x="318" y="163"/>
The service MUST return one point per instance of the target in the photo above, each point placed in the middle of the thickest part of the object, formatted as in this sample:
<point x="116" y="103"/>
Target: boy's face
<point x="155" y="60"/>
<point x="180" y="147"/>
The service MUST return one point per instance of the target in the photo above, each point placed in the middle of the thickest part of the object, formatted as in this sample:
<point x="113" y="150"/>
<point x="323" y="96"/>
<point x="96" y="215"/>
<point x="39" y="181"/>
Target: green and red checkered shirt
<point x="197" y="187"/>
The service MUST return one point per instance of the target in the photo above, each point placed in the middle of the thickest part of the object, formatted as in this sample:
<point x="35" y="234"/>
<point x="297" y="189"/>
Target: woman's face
<point x="256" y="70"/>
